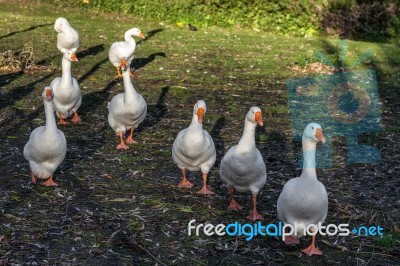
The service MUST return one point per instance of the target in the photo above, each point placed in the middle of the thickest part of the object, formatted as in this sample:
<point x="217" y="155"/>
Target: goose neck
<point x="247" y="141"/>
<point x="50" y="119"/>
<point x="130" y="91"/>
<point x="66" y="71"/>
<point x="128" y="38"/>
<point x="309" y="165"/>
<point x="195" y="125"/>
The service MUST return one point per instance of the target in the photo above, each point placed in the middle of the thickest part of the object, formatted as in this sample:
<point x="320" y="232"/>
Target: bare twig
<point x="151" y="255"/>
<point x="232" y="253"/>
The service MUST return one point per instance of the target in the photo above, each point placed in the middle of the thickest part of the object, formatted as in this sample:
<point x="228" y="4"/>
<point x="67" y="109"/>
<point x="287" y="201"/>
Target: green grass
<point x="124" y="207"/>
<point x="389" y="240"/>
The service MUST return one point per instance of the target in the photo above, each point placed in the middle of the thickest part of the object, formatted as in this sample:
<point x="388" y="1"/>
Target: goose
<point x="67" y="37"/>
<point x="121" y="53"/>
<point x="67" y="94"/>
<point x="194" y="149"/>
<point x="304" y="200"/>
<point x="242" y="167"/>
<point x="126" y="111"/>
<point x="47" y="145"/>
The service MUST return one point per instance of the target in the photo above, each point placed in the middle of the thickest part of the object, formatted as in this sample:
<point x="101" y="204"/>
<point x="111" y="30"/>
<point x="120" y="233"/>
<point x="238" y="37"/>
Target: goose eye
<point x="312" y="127"/>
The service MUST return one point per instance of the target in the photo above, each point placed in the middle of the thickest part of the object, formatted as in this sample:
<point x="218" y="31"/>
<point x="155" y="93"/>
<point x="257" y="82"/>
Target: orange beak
<point x="319" y="136"/>
<point x="123" y="64"/>
<point x="74" y="57"/>
<point x="49" y="94"/>
<point x="141" y="35"/>
<point x="200" y="114"/>
<point x="258" y="119"/>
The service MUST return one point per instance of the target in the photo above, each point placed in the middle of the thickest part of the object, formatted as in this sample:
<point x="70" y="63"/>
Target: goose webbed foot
<point x="50" y="182"/>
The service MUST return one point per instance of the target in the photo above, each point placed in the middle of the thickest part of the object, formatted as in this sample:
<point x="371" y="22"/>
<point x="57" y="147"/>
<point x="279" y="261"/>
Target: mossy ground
<point x="124" y="207"/>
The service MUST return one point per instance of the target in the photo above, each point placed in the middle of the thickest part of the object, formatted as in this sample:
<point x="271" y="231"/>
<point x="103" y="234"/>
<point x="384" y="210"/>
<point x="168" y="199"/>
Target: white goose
<point x="67" y="94"/>
<point x="303" y="200"/>
<point x="194" y="149"/>
<point x="47" y="146"/>
<point x="67" y="37"/>
<point x="121" y="53"/>
<point x="242" y="167"/>
<point x="126" y="111"/>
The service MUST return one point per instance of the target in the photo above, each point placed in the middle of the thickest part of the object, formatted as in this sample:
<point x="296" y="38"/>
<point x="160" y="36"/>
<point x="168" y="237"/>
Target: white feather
<point x="67" y="94"/>
<point x="193" y="148"/>
<point x="126" y="110"/>
<point x="67" y="37"/>
<point x="46" y="147"/>
<point x="304" y="199"/>
<point x="243" y="167"/>
<point x="125" y="49"/>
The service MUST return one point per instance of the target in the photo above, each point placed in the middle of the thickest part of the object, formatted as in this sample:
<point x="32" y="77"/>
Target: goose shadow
<point x="91" y="51"/>
<point x="276" y="150"/>
<point x="156" y="112"/>
<point x="218" y="140"/>
<point x="260" y="130"/>
<point x="150" y="34"/>
<point x="262" y="146"/>
<point x="25" y="30"/>
<point x="20" y="92"/>
<point x="11" y="126"/>
<point x="141" y="62"/>
<point x="8" y="78"/>
<point x="95" y="99"/>
<point x="47" y="60"/>
<point x="92" y="70"/>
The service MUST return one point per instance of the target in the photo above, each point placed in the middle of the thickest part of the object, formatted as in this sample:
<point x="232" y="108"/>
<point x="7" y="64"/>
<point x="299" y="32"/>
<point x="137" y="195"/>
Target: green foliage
<point x="354" y="19"/>
<point x="284" y="17"/>
<point x="361" y="19"/>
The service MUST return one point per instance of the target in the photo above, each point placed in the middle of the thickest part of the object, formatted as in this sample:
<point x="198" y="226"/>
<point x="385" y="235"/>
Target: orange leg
<point x="130" y="139"/>
<point x="50" y="182"/>
<point x="184" y="182"/>
<point x="33" y="178"/>
<point x="312" y="250"/>
<point x="76" y="119"/>
<point x="291" y="240"/>
<point x="233" y="205"/>
<point x="61" y="121"/>
<point x="204" y="190"/>
<point x="122" y="145"/>
<point x="119" y="74"/>
<point x="254" y="215"/>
